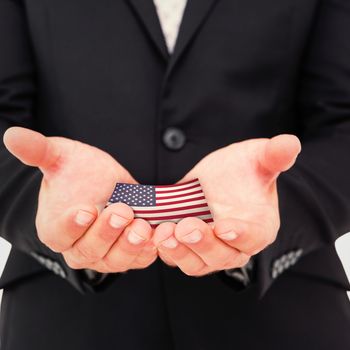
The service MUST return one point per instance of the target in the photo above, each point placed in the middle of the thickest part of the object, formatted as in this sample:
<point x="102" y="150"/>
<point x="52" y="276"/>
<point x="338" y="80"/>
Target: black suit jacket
<point x="99" y="72"/>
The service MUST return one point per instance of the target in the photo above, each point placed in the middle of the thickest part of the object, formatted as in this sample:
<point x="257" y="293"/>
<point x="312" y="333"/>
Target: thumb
<point x="31" y="147"/>
<point x="279" y="154"/>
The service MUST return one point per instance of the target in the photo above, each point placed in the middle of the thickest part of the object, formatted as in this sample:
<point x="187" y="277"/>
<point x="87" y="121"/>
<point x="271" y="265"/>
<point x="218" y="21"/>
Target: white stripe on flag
<point x="171" y="206"/>
<point x="177" y="187"/>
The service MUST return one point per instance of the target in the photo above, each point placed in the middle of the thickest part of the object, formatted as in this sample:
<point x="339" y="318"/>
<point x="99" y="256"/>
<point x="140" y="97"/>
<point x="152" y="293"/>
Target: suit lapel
<point x="147" y="14"/>
<point x="194" y="16"/>
<point x="196" y="12"/>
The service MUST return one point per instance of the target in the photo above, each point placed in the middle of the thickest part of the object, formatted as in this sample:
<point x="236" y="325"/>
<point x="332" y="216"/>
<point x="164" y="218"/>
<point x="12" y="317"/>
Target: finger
<point x="199" y="237"/>
<point x="161" y="233"/>
<point x="146" y="257"/>
<point x="31" y="147"/>
<point x="129" y="245"/>
<point x="166" y="259"/>
<point x="241" y="260"/>
<point x="70" y="226"/>
<point x="279" y="154"/>
<point x="170" y="248"/>
<point x="247" y="237"/>
<point x="97" y="241"/>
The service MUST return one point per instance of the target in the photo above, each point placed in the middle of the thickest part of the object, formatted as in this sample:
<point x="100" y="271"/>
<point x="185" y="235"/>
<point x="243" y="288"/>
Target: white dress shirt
<point x="170" y="14"/>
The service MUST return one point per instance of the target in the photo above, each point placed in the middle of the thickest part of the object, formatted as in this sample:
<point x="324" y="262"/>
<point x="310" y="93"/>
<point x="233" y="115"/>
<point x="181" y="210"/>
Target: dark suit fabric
<point x="99" y="72"/>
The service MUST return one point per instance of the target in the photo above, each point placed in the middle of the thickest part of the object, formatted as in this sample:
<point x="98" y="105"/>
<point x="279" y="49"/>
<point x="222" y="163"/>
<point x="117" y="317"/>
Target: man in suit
<point x="115" y="106"/>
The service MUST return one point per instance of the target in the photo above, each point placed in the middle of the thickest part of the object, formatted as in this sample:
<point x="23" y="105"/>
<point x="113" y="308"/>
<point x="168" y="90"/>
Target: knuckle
<point x="87" y="253"/>
<point x="107" y="235"/>
<point x="113" y="265"/>
<point x="127" y="249"/>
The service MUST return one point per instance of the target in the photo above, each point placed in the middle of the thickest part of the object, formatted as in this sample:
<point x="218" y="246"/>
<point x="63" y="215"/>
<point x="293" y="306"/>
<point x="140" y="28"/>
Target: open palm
<point x="239" y="183"/>
<point x="77" y="182"/>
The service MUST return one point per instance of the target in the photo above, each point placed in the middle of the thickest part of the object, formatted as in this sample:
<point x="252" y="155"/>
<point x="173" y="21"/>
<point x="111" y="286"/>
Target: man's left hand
<point x="239" y="182"/>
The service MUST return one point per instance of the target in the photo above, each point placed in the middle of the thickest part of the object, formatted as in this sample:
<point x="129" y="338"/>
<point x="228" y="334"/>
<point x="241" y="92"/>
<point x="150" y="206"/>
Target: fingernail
<point x="134" y="238"/>
<point x="170" y="243"/>
<point x="193" y="237"/>
<point x="117" y="221"/>
<point x="228" y="236"/>
<point x="83" y="218"/>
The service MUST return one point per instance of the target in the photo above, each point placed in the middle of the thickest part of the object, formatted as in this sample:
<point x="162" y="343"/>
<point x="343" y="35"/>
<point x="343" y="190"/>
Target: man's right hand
<point x="78" y="180"/>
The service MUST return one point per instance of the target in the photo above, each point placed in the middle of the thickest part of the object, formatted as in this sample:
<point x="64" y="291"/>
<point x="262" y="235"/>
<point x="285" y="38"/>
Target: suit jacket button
<point x="174" y="138"/>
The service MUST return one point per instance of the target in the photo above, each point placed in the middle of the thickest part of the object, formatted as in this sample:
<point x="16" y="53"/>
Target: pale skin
<point x="239" y="182"/>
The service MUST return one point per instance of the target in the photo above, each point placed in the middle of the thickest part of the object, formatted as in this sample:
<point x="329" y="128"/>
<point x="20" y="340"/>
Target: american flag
<point x="161" y="203"/>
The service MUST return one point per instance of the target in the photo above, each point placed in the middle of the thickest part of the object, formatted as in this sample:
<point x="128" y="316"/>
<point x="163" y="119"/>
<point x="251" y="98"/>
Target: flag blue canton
<point x="134" y="195"/>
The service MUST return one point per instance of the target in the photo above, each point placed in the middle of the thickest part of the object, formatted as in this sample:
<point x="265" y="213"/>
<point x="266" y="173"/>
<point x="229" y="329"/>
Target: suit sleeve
<point x="20" y="184"/>
<point x="314" y="196"/>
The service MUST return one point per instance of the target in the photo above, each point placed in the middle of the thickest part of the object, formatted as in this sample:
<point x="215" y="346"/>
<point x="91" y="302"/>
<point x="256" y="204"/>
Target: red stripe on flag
<point x="179" y="195"/>
<point x="185" y="207"/>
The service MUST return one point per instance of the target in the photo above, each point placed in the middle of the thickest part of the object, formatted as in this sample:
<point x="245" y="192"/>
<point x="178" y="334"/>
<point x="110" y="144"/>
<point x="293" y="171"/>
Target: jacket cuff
<point x="240" y="278"/>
